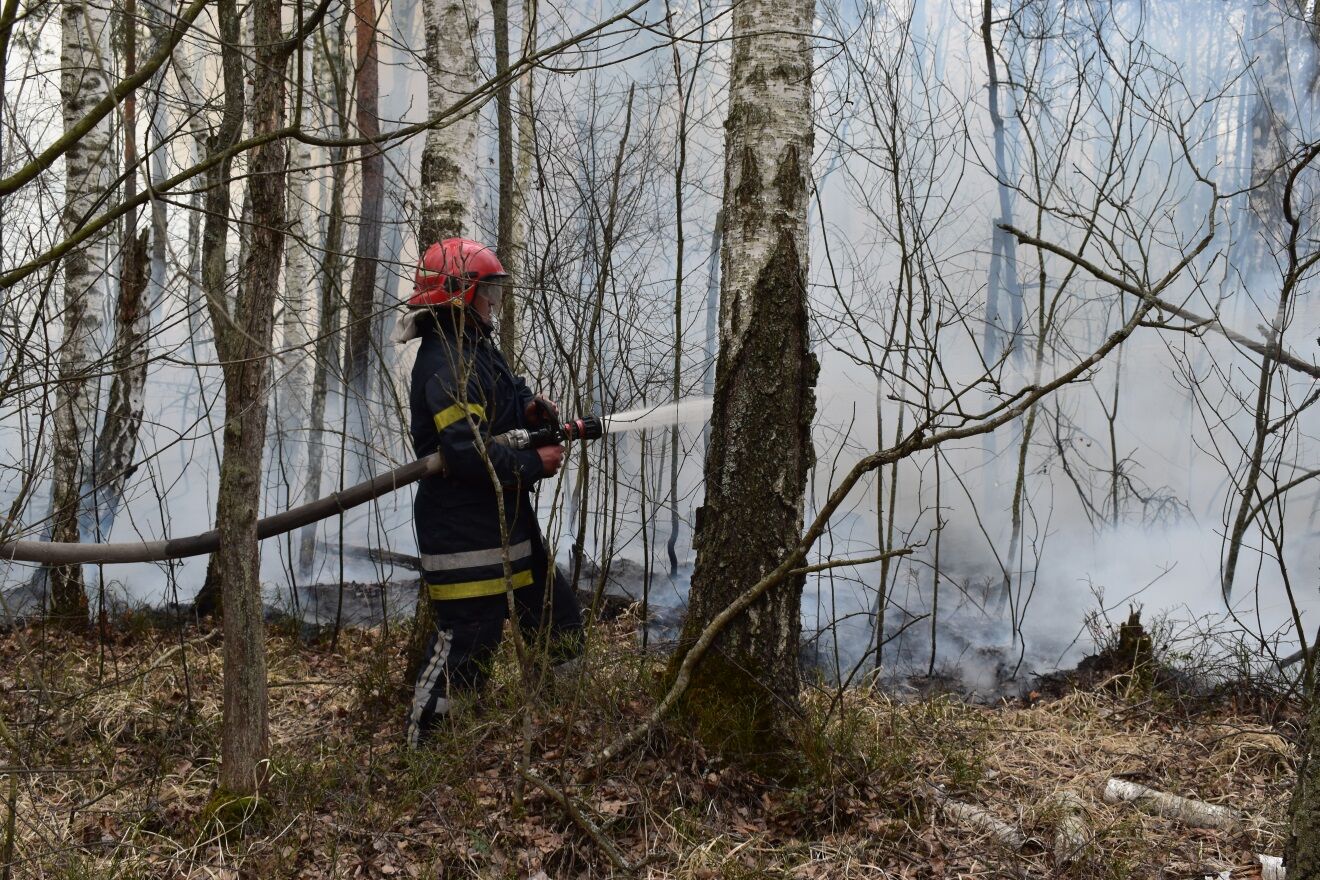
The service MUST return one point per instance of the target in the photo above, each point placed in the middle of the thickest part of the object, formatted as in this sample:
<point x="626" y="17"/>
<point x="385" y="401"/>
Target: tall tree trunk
<point x="295" y="386"/>
<point x="1000" y="336"/>
<point x="449" y="156"/>
<point x="243" y="342"/>
<point x="123" y="414"/>
<point x="294" y="391"/>
<point x="85" y="35"/>
<point x="362" y="287"/>
<point x="676" y="388"/>
<point x="516" y="255"/>
<point x="215" y="232"/>
<point x="764" y="392"/>
<point x="1003" y="278"/>
<point x="328" y="70"/>
<point x="504" y="233"/>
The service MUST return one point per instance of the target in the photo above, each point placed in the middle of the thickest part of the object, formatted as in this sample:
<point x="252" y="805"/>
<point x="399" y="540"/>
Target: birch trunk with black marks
<point x="295" y="386"/>
<point x="85" y="36"/>
<point x="743" y="690"/>
<point x="515" y="260"/>
<point x="243" y="341"/>
<point x="504" y="149"/>
<point x="449" y="156"/>
<point x="123" y="413"/>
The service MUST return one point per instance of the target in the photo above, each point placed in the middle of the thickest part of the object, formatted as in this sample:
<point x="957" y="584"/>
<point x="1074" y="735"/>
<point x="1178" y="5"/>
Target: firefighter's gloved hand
<point x="542" y="411"/>
<point x="552" y="458"/>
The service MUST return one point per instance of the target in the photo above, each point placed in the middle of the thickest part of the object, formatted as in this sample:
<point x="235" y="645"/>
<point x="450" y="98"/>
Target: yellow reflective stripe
<point x="471" y="589"/>
<point x="451" y="414"/>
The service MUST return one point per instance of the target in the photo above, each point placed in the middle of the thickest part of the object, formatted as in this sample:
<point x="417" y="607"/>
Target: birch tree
<point x="295" y="323"/>
<point x="449" y="154"/>
<point x="516" y="255"/>
<point x="123" y="414"/>
<point x="84" y="80"/>
<point x="760" y="445"/>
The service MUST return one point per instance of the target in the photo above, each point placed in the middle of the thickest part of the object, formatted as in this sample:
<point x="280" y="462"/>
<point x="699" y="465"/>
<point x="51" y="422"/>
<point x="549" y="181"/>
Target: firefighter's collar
<point x="414" y="322"/>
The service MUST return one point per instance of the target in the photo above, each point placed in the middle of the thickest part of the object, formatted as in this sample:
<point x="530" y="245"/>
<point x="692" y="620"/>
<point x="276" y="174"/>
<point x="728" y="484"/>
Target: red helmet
<point x="450" y="271"/>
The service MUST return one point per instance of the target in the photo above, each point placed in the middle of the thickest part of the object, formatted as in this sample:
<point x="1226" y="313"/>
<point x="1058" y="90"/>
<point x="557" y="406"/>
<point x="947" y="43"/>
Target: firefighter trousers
<point x="468" y="631"/>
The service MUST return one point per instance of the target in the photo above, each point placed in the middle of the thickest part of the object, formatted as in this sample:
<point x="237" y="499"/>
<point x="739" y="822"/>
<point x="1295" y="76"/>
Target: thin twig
<point x="580" y="819"/>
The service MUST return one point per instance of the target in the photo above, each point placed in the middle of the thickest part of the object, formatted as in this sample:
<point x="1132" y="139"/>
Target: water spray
<point x="678" y="412"/>
<point x="592" y="427"/>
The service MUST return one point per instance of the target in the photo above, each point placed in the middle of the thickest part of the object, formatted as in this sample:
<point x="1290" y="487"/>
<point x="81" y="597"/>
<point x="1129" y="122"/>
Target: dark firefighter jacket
<point x="462" y="382"/>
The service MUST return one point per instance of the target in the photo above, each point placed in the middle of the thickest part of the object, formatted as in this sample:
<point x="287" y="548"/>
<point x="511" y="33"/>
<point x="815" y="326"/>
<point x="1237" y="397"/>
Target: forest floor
<point x="119" y="738"/>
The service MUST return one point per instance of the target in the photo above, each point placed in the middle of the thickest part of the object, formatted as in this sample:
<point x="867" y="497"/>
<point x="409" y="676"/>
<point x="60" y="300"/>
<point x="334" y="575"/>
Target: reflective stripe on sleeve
<point x="472" y="589"/>
<point x="451" y="414"/>
<point x="475" y="558"/>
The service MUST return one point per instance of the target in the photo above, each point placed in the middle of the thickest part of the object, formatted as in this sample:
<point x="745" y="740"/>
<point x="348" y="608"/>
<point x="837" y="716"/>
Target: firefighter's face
<point x="492" y="290"/>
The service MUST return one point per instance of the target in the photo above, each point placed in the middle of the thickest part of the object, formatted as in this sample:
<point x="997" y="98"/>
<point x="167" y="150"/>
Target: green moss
<point x="231" y="815"/>
<point x="729" y="711"/>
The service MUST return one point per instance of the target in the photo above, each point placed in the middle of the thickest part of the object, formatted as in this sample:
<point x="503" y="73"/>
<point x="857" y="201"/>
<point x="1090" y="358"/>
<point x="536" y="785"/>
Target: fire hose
<point x="56" y="553"/>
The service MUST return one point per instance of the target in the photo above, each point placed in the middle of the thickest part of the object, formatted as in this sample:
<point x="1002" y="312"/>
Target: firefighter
<point x="464" y="394"/>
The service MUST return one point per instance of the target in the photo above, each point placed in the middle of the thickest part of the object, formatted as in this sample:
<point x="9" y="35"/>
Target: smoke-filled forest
<point x="749" y="439"/>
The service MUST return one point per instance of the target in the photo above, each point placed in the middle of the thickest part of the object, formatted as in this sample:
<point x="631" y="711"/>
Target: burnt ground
<point x="116" y="741"/>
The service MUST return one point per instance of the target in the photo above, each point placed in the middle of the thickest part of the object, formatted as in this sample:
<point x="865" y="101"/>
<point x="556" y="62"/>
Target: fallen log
<point x="1171" y="806"/>
<point x="1271" y="868"/>
<point x="977" y="818"/>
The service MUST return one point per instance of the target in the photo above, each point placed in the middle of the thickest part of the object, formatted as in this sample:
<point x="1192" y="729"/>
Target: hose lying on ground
<point x="53" y="553"/>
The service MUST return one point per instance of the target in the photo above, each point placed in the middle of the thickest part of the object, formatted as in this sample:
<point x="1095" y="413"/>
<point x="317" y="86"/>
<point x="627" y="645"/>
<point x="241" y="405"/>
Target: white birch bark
<point x="84" y="80"/>
<point x="298" y="315"/>
<point x="450" y="153"/>
<point x="1160" y="803"/>
<point x="526" y="145"/>
<point x="1070" y="832"/>
<point x="977" y="819"/>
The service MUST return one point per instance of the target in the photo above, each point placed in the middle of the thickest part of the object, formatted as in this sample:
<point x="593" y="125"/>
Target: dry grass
<point x="120" y="742"/>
